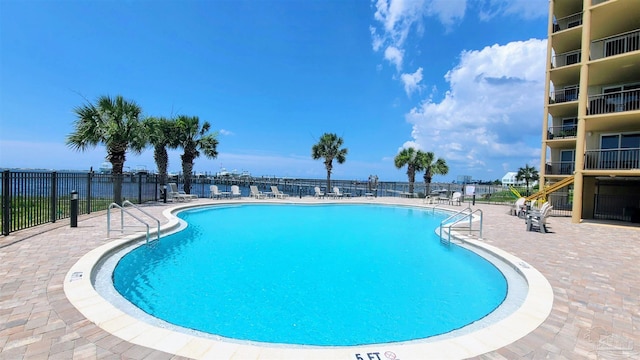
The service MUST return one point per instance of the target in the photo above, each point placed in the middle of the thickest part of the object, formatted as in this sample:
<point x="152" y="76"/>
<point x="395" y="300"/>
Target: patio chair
<point x="518" y="209"/>
<point x="235" y="192"/>
<point x="255" y="193"/>
<point x="538" y="219"/>
<point x="456" y="198"/>
<point x="215" y="193"/>
<point x="179" y="194"/>
<point x="318" y="193"/>
<point x="277" y="194"/>
<point x="336" y="193"/>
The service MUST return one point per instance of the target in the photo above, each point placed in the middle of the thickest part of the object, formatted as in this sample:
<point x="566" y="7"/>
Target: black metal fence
<point x="31" y="198"/>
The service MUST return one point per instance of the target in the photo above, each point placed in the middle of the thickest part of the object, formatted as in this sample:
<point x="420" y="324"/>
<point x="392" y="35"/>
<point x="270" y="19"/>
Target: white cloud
<point x="225" y="132"/>
<point x="394" y="56"/>
<point x="493" y="105"/>
<point x="396" y="18"/>
<point x="412" y="81"/>
<point x="447" y="11"/>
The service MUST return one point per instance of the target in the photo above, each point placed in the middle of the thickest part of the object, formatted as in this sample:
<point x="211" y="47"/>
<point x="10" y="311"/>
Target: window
<point x="573" y="58"/>
<point x="567" y="159"/>
<point x="569" y="127"/>
<point x="570" y="93"/>
<point x="620" y="151"/>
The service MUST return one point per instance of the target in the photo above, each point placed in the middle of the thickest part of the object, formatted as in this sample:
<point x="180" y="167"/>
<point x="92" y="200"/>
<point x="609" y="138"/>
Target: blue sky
<point x="463" y="79"/>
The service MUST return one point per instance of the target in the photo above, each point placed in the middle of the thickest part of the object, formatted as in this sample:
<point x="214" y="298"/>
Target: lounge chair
<point x="235" y="192"/>
<point x="456" y="198"/>
<point x="277" y="194"/>
<point x="428" y="200"/>
<point x="255" y="193"/>
<point x="538" y="218"/>
<point x="179" y="194"/>
<point x="318" y="194"/>
<point x="215" y="193"/>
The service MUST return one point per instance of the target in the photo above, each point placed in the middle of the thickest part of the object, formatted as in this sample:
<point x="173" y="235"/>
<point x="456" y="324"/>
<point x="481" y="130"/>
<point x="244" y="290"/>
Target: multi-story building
<point x="591" y="124"/>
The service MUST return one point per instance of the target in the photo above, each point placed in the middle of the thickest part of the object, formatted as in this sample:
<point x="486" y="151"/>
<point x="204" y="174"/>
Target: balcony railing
<point x="612" y="159"/>
<point x="627" y="100"/>
<point x="616" y="45"/>
<point x="560" y="167"/>
<point x="563" y="95"/>
<point x="567" y="22"/>
<point x="561" y="132"/>
<point x="568" y="58"/>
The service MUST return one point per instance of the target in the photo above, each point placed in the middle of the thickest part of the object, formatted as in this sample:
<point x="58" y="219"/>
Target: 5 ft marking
<point x="370" y="356"/>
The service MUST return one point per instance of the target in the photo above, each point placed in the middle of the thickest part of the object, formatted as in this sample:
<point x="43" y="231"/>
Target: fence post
<point x="54" y="191"/>
<point x="139" y="187"/>
<point x="6" y="202"/>
<point x="89" y="179"/>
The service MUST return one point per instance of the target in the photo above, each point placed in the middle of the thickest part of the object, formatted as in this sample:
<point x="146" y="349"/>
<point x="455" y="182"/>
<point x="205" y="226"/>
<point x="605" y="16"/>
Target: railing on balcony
<point x="567" y="22"/>
<point x="560" y="167"/>
<point x="561" y="132"/>
<point x="563" y="95"/>
<point x="627" y="100"/>
<point x="615" y="45"/>
<point x="568" y="58"/>
<point x="612" y="159"/>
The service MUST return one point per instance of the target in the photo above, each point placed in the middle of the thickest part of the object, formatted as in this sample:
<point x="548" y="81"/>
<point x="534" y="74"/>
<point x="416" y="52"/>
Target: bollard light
<point x="74" y="208"/>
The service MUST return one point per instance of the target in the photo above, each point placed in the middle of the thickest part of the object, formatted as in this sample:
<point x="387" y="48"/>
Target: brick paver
<point x="593" y="269"/>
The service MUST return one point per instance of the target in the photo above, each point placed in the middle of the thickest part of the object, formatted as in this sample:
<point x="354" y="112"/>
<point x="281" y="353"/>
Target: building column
<point x="583" y="99"/>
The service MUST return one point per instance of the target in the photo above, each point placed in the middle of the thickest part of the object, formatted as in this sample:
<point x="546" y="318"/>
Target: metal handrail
<point x="465" y="216"/>
<point x="123" y="210"/>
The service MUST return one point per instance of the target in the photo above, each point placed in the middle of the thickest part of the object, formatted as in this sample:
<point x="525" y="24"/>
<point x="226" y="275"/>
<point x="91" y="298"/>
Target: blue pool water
<point x="314" y="275"/>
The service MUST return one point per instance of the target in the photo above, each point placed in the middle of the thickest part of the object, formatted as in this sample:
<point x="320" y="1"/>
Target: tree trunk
<point x="117" y="163"/>
<point x="187" y="169"/>
<point x="412" y="178"/>
<point x="329" y="167"/>
<point x="162" y="160"/>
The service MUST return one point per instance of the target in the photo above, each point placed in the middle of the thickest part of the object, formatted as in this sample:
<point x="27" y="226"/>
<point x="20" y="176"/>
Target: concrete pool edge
<point x="80" y="291"/>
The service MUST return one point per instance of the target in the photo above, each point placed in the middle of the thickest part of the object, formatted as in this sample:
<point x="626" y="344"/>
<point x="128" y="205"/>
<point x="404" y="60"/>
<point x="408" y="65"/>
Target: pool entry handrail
<point x="464" y="214"/>
<point x="124" y="210"/>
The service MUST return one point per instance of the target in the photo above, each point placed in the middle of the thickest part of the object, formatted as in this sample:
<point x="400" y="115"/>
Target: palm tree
<point x="527" y="173"/>
<point x="162" y="134"/>
<point x="414" y="160"/>
<point x="115" y="123"/>
<point x="431" y="168"/>
<point x="193" y="139"/>
<point x="329" y="148"/>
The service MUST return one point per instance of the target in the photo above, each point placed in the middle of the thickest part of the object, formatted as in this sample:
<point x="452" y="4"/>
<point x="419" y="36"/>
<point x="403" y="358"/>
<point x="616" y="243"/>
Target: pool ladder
<point x="463" y="215"/>
<point x="123" y="210"/>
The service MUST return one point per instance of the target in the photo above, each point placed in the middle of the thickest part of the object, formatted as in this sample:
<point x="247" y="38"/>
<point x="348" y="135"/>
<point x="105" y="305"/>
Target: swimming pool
<point x="313" y="275"/>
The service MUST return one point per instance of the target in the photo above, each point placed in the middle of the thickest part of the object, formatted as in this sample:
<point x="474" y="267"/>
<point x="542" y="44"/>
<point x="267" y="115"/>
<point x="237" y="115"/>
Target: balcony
<point x="612" y="159"/>
<point x="568" y="58"/>
<point x="567" y="22"/>
<point x="560" y="168"/>
<point x="615" y="45"/>
<point x="627" y="100"/>
<point x="563" y="95"/>
<point x="562" y="132"/>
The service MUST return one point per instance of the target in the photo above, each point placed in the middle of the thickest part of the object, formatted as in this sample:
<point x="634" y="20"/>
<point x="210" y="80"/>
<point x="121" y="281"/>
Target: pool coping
<point x="80" y="291"/>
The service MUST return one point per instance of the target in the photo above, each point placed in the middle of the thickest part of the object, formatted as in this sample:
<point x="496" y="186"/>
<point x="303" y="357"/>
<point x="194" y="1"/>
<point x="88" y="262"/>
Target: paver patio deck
<point x="593" y="269"/>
